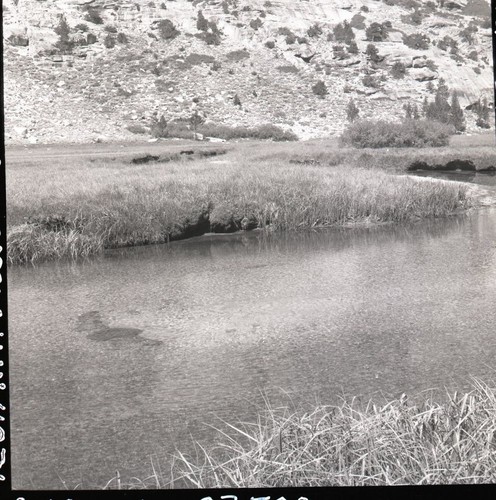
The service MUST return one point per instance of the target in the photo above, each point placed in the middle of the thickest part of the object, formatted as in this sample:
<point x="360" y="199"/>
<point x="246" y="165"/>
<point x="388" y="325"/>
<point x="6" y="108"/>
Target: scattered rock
<point x="423" y="74"/>
<point x="16" y="36"/>
<point x="21" y="131"/>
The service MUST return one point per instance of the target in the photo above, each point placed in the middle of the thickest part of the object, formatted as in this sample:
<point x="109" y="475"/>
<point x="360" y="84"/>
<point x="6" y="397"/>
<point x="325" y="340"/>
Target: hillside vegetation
<point x="94" y="70"/>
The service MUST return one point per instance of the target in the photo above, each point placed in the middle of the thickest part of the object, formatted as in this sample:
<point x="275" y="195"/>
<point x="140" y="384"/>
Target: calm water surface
<point x="126" y="357"/>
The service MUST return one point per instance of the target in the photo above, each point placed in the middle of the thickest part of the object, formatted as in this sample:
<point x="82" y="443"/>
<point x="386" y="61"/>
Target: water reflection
<point x="483" y="179"/>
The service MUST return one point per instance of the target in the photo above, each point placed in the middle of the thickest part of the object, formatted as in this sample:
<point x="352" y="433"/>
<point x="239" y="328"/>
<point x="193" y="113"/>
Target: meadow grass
<point x="59" y="210"/>
<point x="353" y="444"/>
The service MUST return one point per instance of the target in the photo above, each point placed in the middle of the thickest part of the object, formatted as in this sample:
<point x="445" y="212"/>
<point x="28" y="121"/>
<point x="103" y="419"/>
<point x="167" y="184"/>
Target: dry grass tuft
<point x="394" y="444"/>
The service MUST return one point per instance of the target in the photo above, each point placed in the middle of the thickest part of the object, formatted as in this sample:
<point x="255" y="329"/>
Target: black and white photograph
<point x="249" y="245"/>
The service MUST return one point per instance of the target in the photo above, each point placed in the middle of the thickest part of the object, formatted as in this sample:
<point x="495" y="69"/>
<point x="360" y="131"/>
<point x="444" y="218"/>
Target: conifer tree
<point x="195" y="120"/>
<point x="408" y="111"/>
<point x="64" y="44"/>
<point x="456" y="114"/>
<point x="481" y="109"/>
<point x="352" y="111"/>
<point x="415" y="112"/>
<point x="201" y="22"/>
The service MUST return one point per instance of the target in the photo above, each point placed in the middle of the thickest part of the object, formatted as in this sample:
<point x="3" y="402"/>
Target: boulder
<point x="18" y="39"/>
<point x="419" y="62"/>
<point x="22" y="131"/>
<point x="423" y="74"/>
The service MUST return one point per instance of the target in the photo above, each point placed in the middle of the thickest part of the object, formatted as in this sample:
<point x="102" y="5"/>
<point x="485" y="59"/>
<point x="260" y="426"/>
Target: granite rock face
<point x="123" y="63"/>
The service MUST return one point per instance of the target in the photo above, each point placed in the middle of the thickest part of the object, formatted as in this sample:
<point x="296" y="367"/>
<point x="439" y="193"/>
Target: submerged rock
<point x="92" y="324"/>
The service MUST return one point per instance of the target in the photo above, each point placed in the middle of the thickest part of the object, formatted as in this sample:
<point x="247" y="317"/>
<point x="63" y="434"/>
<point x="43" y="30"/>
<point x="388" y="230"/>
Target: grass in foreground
<point x="452" y="442"/>
<point x="58" y="212"/>
<point x="68" y="212"/>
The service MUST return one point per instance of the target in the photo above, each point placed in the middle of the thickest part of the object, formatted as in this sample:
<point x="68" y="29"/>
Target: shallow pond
<point x="128" y="356"/>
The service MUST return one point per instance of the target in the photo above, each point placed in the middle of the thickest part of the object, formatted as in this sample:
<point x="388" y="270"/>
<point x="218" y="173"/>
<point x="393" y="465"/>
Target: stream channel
<point x="126" y="357"/>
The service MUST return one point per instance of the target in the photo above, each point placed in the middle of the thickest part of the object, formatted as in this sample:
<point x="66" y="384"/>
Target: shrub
<point x="352" y="111"/>
<point x="122" y="38"/>
<point x="290" y="36"/>
<point x="195" y="59"/>
<point x="201" y="22"/>
<point x="467" y="34"/>
<point x="287" y="69"/>
<point x="64" y="43"/>
<point x="195" y="120"/>
<point x="236" y="100"/>
<point x="353" y="48"/>
<point x="377" y="32"/>
<point x="456" y="114"/>
<point x="320" y="89"/>
<point x="410" y="133"/>
<point x="93" y="16"/>
<point x="339" y="52"/>
<point x="473" y="55"/>
<point x="372" y="53"/>
<point x="256" y="23"/>
<point x="238" y="55"/>
<point x="314" y="31"/>
<point x="417" y="41"/>
<point x="370" y="81"/>
<point x="209" y="38"/>
<point x="481" y="109"/>
<point x="398" y="70"/>
<point x="411" y="112"/>
<point x="81" y="27"/>
<point x="159" y="128"/>
<point x="167" y="29"/>
<point x="270" y="44"/>
<point x="110" y="29"/>
<point x="415" y="18"/>
<point x="343" y="32"/>
<point x="263" y="132"/>
<point x="136" y="129"/>
<point x="430" y="64"/>
<point x="109" y="42"/>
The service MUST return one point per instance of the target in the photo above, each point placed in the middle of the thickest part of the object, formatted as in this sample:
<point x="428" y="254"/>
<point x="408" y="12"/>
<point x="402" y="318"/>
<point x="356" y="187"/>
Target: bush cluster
<point x="378" y="32"/>
<point x="290" y="36"/>
<point x="167" y="29"/>
<point x="410" y="133"/>
<point x="319" y="88"/>
<point x="398" y="70"/>
<point x="93" y="16"/>
<point x="184" y="129"/>
<point x="343" y="32"/>
<point x="417" y="41"/>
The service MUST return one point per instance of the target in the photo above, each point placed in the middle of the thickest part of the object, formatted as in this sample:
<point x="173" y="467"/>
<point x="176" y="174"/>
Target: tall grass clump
<point x="408" y="134"/>
<point x="29" y="244"/>
<point x="80" y="212"/>
<point x="351" y="444"/>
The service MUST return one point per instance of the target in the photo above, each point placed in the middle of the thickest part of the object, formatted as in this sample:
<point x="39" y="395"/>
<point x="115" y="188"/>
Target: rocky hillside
<point x="85" y="70"/>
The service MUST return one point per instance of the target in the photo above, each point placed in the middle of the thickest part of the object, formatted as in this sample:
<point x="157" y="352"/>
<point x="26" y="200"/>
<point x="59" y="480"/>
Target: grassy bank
<point x="60" y="211"/>
<point x="452" y="441"/>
